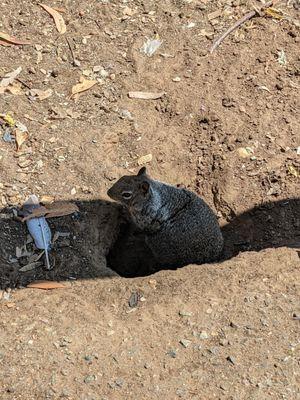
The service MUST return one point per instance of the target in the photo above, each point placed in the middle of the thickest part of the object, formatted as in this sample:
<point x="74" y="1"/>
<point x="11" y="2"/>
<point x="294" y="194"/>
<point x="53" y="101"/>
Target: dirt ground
<point x="226" y="127"/>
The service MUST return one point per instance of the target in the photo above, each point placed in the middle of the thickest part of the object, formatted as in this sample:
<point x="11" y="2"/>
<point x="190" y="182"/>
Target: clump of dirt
<point x="226" y="128"/>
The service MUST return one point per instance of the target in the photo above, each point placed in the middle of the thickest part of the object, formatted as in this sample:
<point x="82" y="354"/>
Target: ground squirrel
<point x="166" y="227"/>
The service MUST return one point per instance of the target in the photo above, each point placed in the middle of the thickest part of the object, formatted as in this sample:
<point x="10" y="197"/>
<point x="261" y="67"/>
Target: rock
<point x="185" y="343"/>
<point x="213" y="350"/>
<point x="203" y="335"/>
<point x="183" y="313"/>
<point x="134" y="299"/>
<point x="181" y="392"/>
<point x="223" y="342"/>
<point x="119" y="382"/>
<point x="90" y="378"/>
<point x="231" y="359"/>
<point x="172" y="353"/>
<point x="65" y="393"/>
<point x="296" y="315"/>
<point x="226" y="102"/>
<point x="244" y="152"/>
<point x="224" y="386"/>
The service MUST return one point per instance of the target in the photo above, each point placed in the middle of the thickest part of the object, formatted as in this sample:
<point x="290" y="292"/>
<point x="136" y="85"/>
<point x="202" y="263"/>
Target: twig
<point x="72" y="52"/>
<point x="238" y="23"/>
<point x="23" y="83"/>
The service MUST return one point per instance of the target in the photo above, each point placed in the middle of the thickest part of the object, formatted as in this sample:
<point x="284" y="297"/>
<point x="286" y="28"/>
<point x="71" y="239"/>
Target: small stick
<point x="71" y="50"/>
<point x="23" y="83"/>
<point x="238" y="23"/>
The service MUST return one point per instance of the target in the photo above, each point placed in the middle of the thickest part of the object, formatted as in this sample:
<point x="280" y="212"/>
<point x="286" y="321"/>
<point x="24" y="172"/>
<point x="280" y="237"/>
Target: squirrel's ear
<point x="145" y="187"/>
<point x="142" y="171"/>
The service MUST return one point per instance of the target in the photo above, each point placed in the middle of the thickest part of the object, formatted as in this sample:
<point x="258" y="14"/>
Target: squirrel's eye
<point x="126" y="195"/>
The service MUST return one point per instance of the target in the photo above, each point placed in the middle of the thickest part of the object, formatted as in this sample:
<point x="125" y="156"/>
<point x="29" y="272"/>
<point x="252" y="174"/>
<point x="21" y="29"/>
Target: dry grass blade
<point x="58" y="19"/>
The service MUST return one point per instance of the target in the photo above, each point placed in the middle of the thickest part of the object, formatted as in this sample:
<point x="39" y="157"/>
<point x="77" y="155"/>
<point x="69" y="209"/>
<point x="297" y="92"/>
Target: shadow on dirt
<point x="92" y="232"/>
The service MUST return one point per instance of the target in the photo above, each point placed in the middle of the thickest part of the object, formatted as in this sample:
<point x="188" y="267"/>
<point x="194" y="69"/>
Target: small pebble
<point x="183" y="313"/>
<point x="203" y="335"/>
<point x="89" y="378"/>
<point x="119" y="382"/>
<point x="172" y="353"/>
<point x="185" y="343"/>
<point x="231" y="359"/>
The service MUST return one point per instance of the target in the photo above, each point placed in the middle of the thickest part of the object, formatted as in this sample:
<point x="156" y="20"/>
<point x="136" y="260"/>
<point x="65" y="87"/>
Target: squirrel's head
<point x="131" y="190"/>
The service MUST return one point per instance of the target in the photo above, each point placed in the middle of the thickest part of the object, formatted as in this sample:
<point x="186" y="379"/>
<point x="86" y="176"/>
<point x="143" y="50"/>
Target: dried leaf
<point x="52" y="210"/>
<point x="46" y="285"/>
<point x="41" y="94"/>
<point x="7" y="40"/>
<point x="8" y="119"/>
<point x="84" y="85"/>
<point x="22" y="252"/>
<point x="15" y="89"/>
<point x="293" y="171"/>
<point x="21" y="138"/>
<point x="31" y="266"/>
<point x="264" y="88"/>
<point x="5" y="44"/>
<point x="145" y="159"/>
<point x="59" y="9"/>
<point x="273" y="13"/>
<point x="10" y="77"/>
<point x="58" y="19"/>
<point x="146" y="95"/>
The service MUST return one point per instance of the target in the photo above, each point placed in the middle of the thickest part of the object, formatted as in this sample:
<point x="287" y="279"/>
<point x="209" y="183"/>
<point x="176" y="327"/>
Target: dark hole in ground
<point x="82" y="255"/>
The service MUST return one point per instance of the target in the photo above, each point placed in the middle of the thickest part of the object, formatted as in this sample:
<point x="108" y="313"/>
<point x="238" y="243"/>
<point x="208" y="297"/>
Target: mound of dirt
<point x="228" y="331"/>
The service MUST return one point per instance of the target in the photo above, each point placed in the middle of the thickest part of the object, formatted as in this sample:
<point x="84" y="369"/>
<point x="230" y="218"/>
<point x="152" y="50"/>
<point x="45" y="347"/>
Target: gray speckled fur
<point x="177" y="225"/>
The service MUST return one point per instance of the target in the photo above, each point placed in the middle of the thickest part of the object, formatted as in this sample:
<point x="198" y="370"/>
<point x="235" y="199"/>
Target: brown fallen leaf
<point x="41" y="94"/>
<point x="84" y="85"/>
<point x="52" y="210"/>
<point x="59" y="9"/>
<point x="58" y="19"/>
<point x="5" y="44"/>
<point x="46" y="285"/>
<point x="15" y="88"/>
<point x="7" y="40"/>
<point x="21" y="138"/>
<point x="146" y="95"/>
